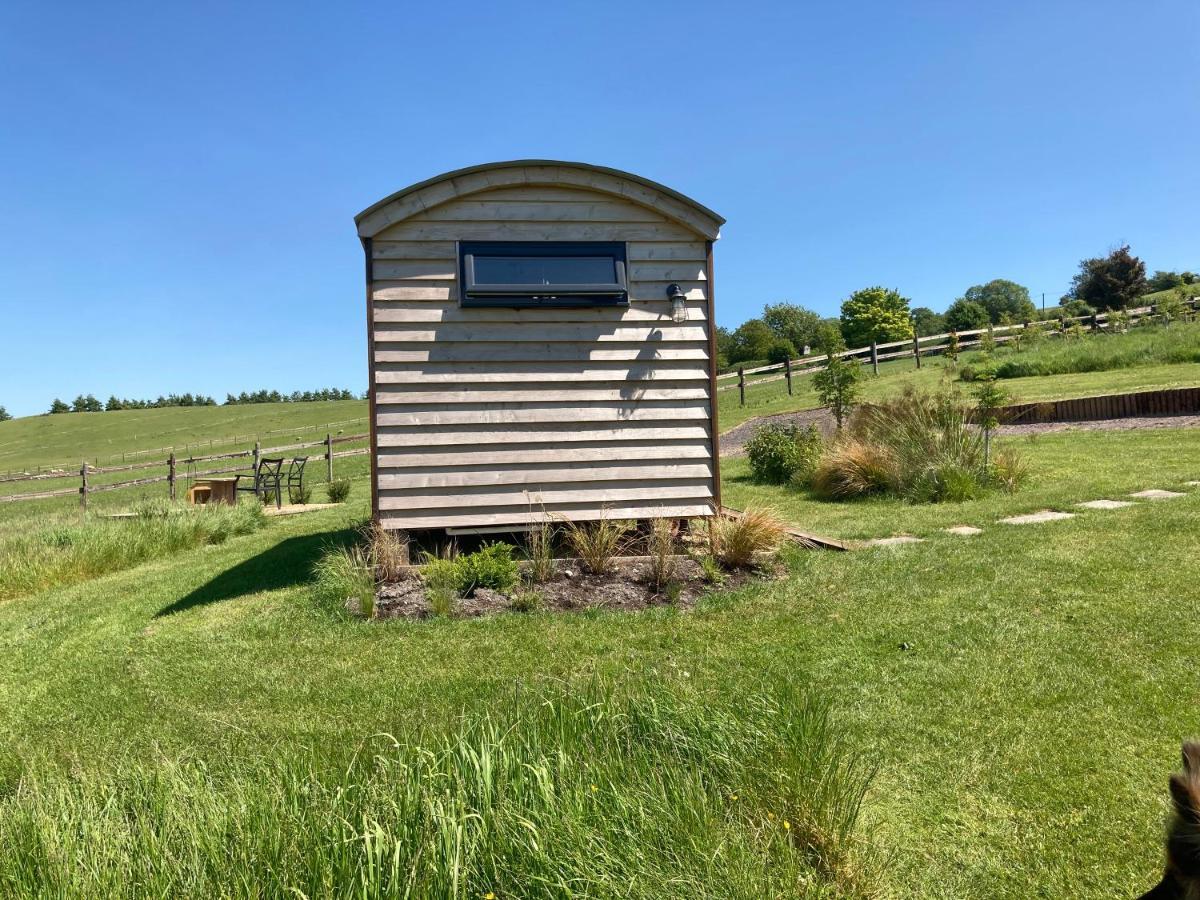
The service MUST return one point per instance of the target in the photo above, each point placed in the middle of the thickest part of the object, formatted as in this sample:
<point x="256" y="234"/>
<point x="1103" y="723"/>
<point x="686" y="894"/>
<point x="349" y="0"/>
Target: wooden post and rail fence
<point x="87" y="486"/>
<point x="917" y="346"/>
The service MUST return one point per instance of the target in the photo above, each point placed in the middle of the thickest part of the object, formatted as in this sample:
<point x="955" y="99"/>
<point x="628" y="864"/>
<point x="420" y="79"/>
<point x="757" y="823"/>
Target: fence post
<point x="257" y="454"/>
<point x="83" y="486"/>
<point x="787" y="371"/>
<point x="1095" y="321"/>
<point x="917" y="349"/>
<point x="875" y="357"/>
<point x="741" y="386"/>
<point x="329" y="457"/>
<point x="171" y="473"/>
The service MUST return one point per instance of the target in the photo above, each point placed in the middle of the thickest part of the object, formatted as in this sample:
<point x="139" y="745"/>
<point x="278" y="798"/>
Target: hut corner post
<point x="369" y="271"/>
<point x="712" y="378"/>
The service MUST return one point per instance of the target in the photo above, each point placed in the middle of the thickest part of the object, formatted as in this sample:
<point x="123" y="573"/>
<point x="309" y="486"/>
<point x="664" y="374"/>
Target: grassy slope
<point x="1024" y="740"/>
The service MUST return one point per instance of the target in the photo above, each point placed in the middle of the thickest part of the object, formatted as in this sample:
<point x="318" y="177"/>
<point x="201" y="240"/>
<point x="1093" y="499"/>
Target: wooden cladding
<point x="493" y="416"/>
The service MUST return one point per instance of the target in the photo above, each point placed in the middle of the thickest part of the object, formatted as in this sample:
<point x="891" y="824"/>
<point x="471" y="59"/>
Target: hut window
<point x="543" y="273"/>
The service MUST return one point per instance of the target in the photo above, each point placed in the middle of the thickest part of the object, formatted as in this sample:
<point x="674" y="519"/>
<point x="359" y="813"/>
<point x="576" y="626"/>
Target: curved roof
<point x="461" y="182"/>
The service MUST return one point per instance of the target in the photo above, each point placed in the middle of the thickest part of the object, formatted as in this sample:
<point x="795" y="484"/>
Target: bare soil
<point x="629" y="587"/>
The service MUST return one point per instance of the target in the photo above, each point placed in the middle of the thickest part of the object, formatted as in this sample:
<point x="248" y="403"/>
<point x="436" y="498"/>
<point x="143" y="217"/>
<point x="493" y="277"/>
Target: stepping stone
<point x="1046" y="515"/>
<point x="964" y="530"/>
<point x="1156" y="494"/>
<point x="1192" y="483"/>
<point x="1105" y="504"/>
<point x="894" y="541"/>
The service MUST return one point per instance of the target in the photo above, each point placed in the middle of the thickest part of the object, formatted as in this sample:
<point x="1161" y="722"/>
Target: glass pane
<point x="544" y="270"/>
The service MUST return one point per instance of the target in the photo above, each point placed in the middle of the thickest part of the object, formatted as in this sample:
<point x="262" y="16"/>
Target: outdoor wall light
<point x="678" y="307"/>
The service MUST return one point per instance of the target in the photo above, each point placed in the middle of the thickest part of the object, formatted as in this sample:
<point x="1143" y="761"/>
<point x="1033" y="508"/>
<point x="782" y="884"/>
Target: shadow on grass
<point x="284" y="565"/>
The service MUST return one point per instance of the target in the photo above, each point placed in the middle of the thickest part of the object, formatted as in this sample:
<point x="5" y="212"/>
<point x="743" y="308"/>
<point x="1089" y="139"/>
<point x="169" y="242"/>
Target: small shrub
<point x="301" y="495"/>
<point x="526" y="602"/>
<point x="539" y="551"/>
<point x="598" y="543"/>
<point x="837" y="386"/>
<point x="491" y="567"/>
<point x="738" y="540"/>
<point x="711" y="569"/>
<point x="854" y="468"/>
<point x="338" y="491"/>
<point x="1171" y="306"/>
<point x="779" y="454"/>
<point x="440" y="576"/>
<point x="661" y="546"/>
<point x="673" y="591"/>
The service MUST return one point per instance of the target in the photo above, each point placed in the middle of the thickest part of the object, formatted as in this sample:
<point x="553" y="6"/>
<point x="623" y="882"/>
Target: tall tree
<point x="1110" y="282"/>
<point x="59" y="407"/>
<point x="927" y="322"/>
<point x="1001" y="298"/>
<point x="966" y="315"/>
<point x="792" y="323"/>
<point x="4" y="415"/>
<point x="875" y="314"/>
<point x="1164" y="281"/>
<point x="752" y="340"/>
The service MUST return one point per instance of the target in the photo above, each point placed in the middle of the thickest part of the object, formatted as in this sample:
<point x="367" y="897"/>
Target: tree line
<point x="89" y="402"/>
<point x="788" y="331"/>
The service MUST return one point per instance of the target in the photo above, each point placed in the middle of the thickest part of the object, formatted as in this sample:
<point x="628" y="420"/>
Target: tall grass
<point x="1141" y="346"/>
<point x="637" y="792"/>
<point x="66" y="552"/>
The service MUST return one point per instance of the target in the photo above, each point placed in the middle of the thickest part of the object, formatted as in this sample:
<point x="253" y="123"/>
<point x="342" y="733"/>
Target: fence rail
<point x="929" y="345"/>
<point x="172" y="464"/>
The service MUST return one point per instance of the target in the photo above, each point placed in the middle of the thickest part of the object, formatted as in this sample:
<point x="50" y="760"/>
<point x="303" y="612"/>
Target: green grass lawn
<point x="1023" y="738"/>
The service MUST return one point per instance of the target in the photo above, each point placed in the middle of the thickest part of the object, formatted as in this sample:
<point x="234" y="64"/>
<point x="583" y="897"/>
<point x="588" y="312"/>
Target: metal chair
<point x="295" y="480"/>
<point x="267" y="477"/>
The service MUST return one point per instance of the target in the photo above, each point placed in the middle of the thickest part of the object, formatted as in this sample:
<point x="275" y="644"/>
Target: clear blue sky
<point x="170" y="168"/>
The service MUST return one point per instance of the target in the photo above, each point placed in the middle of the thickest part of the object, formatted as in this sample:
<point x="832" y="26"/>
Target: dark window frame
<point x="525" y="296"/>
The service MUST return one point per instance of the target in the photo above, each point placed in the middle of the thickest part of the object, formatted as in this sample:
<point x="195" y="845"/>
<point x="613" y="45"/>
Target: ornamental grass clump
<point x="599" y="543"/>
<point x="740" y="541"/>
<point x="661" y="544"/>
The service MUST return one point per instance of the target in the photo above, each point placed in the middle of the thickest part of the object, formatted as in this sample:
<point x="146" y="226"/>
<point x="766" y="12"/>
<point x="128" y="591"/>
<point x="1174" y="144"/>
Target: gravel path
<point x="733" y="441"/>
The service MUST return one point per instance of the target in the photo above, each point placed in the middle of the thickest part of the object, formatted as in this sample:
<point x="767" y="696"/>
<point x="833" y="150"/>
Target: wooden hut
<point x="541" y="344"/>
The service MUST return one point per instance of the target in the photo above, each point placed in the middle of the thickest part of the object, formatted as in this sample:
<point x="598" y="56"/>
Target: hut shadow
<point x="284" y="565"/>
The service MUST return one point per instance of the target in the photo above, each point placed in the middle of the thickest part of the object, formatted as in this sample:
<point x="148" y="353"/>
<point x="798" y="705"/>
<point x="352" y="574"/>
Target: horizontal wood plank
<point x="469" y="435"/>
<point x="538" y="478"/>
<point x="522" y="515"/>
<point x="529" y="352"/>
<point x="599" y="332"/>
<point x="543" y="453"/>
<point x="663" y="251"/>
<point x="536" y="231"/>
<point x="571" y="372"/>
<point x="631" y="391"/>
<point x="434" y="311"/>
<point x="500" y="210"/>
<point x="517" y="414"/>
<point x="455" y="498"/>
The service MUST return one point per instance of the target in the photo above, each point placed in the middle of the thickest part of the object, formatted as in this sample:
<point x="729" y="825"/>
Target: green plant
<point x="1009" y="469"/>
<point x="387" y="551"/>
<point x="1118" y="321"/>
<point x="851" y="467"/>
<point x="491" y="567"/>
<point x="338" y="491"/>
<point x="739" y="540"/>
<point x="987" y="341"/>
<point x="300" y="495"/>
<point x="672" y="591"/>
<point x="781" y="453"/>
<point x="711" y="570"/>
<point x="526" y="602"/>
<point x="989" y="399"/>
<point x="344" y="581"/>
<point x="837" y="386"/>
<point x="598" y="543"/>
<point x="875" y="314"/>
<point x="440" y="575"/>
<point x="661" y="544"/>
<point x="952" y="348"/>
<point x="539" y="551"/>
<point x="1170" y="306"/>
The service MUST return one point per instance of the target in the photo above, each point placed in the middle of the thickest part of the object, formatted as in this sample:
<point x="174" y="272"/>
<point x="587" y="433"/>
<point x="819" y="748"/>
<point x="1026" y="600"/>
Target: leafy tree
<point x="59" y="407"/>
<point x="1188" y="277"/>
<point x="4" y="415"/>
<point x="1002" y="298"/>
<point x="752" y="340"/>
<point x="1164" y="281"/>
<point x="792" y="323"/>
<point x="966" y="315"/>
<point x="837" y="386"/>
<point x="828" y="337"/>
<point x="113" y="403"/>
<point x="87" y="403"/>
<point x="1069" y="309"/>
<point x="875" y="314"/>
<point x="1110" y="282"/>
<point x="989" y="397"/>
<point x="781" y="350"/>
<point x="927" y="322"/>
<point x="1171" y="306"/>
